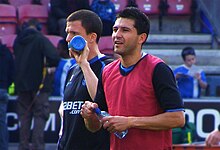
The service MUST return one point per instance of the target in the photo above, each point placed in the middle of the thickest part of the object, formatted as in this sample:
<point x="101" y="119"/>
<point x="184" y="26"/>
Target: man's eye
<point x="125" y="30"/>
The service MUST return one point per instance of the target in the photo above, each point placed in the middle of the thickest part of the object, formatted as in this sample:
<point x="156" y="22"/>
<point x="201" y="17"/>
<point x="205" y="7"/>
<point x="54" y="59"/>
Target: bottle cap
<point x="77" y="43"/>
<point x="97" y="111"/>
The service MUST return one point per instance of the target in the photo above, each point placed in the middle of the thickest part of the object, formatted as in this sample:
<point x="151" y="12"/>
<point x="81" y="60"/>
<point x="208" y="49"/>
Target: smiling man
<point x="138" y="90"/>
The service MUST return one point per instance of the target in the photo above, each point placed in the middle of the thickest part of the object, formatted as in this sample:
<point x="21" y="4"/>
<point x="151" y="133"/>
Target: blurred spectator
<point x="213" y="138"/>
<point x="30" y="49"/>
<point x="190" y="78"/>
<point x="6" y="79"/>
<point x="38" y="2"/>
<point x="63" y="67"/>
<point x="41" y="108"/>
<point x="60" y="9"/>
<point x="105" y="9"/>
<point x="131" y="3"/>
<point x="33" y="2"/>
<point x="4" y="2"/>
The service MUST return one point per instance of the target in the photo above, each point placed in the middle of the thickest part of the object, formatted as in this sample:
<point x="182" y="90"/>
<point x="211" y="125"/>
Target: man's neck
<point x="94" y="52"/>
<point x="130" y="60"/>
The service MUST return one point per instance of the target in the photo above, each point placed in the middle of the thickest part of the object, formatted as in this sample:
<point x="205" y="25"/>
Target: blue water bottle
<point x="77" y="43"/>
<point x="102" y="114"/>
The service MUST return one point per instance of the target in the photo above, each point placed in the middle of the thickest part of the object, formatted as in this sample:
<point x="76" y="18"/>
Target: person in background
<point x="31" y="48"/>
<point x="60" y="9"/>
<point x="6" y="78"/>
<point x="63" y="67"/>
<point x="213" y="138"/>
<point x="131" y="3"/>
<point x="138" y="90"/>
<point x="4" y="2"/>
<point x="106" y="11"/>
<point x="41" y="107"/>
<point x="38" y="2"/>
<point x="190" y="78"/>
<point x="81" y="77"/>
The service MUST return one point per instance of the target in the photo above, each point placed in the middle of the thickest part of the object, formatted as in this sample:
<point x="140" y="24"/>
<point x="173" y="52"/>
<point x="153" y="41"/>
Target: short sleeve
<point x="166" y="89"/>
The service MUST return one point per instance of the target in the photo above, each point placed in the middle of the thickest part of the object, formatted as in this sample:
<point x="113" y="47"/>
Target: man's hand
<point x="115" y="123"/>
<point x="213" y="138"/>
<point x="90" y="118"/>
<point x="80" y="57"/>
<point x="87" y="110"/>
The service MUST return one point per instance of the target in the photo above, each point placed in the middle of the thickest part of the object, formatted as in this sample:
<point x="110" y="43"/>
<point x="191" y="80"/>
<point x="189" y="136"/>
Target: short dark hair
<point x="187" y="51"/>
<point x="90" y="21"/>
<point x="141" y="21"/>
<point x="32" y="22"/>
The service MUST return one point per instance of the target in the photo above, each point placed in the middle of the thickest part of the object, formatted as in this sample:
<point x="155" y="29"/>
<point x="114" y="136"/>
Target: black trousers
<point x="33" y="112"/>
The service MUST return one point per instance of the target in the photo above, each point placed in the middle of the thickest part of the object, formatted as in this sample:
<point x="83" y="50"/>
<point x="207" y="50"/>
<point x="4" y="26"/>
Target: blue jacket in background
<point x="7" y="68"/>
<point x="104" y="9"/>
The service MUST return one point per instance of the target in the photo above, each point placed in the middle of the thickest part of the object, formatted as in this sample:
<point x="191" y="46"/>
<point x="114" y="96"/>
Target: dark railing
<point x="210" y="8"/>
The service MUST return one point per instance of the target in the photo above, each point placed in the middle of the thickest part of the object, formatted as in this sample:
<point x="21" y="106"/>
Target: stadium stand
<point x="119" y="5"/>
<point x="8" y="40"/>
<point x="179" y="7"/>
<point x="54" y="39"/>
<point x="151" y="9"/>
<point x="45" y="2"/>
<point x="8" y="19"/>
<point x="106" y="45"/>
<point x="210" y="66"/>
<point x="173" y="41"/>
<point x="18" y="3"/>
<point x="177" y="17"/>
<point x="30" y="11"/>
<point x="166" y="44"/>
<point x="213" y="88"/>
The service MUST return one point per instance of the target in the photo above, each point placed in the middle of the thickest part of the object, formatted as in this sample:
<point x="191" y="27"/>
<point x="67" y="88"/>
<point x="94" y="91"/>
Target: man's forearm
<point x="91" y="79"/>
<point x="159" y="122"/>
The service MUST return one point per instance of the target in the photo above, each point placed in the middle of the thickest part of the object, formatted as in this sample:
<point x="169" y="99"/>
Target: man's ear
<point x="92" y="37"/>
<point x="142" y="38"/>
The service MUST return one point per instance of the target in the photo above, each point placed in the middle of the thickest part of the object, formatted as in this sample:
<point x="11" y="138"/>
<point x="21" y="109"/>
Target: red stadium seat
<point x="106" y="45"/>
<point x="17" y="3"/>
<point x="178" y="18"/>
<point x="45" y="2"/>
<point x="179" y="7"/>
<point x="30" y="11"/>
<point x="150" y="7"/>
<point x="24" y="2"/>
<point x="54" y="39"/>
<point x="8" y="40"/>
<point x="119" y="5"/>
<point x="8" y="19"/>
<point x="7" y="28"/>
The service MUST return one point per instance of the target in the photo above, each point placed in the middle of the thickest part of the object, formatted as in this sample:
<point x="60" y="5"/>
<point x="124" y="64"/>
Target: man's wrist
<point x="84" y="63"/>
